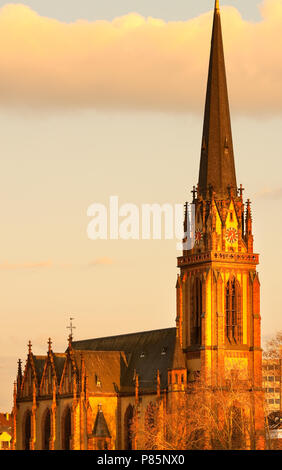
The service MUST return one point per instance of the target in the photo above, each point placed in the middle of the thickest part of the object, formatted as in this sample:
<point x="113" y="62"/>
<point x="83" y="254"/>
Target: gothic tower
<point x="218" y="289"/>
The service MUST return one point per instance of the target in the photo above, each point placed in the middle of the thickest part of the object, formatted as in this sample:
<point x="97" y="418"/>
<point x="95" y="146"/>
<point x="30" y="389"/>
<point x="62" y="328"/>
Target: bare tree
<point x="201" y="417"/>
<point x="273" y="348"/>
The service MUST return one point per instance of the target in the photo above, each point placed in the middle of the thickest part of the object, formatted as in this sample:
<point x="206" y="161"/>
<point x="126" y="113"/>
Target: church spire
<point x="217" y="168"/>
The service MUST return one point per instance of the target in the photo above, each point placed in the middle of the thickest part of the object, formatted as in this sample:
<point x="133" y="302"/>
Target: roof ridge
<point x="124" y="334"/>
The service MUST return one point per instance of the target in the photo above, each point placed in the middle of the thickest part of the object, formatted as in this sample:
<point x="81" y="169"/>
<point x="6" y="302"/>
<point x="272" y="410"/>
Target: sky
<point x="106" y="98"/>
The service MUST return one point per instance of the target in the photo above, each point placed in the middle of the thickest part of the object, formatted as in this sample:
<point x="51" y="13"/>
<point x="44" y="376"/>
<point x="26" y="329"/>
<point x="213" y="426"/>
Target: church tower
<point x="218" y="289"/>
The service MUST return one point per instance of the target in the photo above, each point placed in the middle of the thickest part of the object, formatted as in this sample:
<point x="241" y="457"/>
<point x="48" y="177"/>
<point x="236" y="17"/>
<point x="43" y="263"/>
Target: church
<point x="87" y="397"/>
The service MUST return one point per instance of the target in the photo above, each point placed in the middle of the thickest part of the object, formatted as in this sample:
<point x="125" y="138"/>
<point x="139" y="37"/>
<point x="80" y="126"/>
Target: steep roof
<point x="217" y="167"/>
<point x="103" y="369"/>
<point x="100" y="427"/>
<point x="59" y="361"/>
<point x="39" y="363"/>
<point x="145" y="352"/>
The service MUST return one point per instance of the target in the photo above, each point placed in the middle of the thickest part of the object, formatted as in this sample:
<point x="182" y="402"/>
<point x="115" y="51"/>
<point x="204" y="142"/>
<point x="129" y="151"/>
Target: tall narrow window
<point x="128" y="428"/>
<point x="196" y="312"/>
<point x="46" y="430"/>
<point x="66" y="429"/>
<point x="27" y="431"/>
<point x="233" y="315"/>
<point x="237" y="428"/>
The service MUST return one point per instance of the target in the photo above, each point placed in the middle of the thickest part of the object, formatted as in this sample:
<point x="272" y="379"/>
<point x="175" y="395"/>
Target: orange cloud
<point x="137" y="62"/>
<point x="269" y="194"/>
<point x="101" y="262"/>
<point x="10" y="266"/>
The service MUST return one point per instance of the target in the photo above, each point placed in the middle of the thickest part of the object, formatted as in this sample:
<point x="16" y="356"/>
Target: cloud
<point x="6" y="266"/>
<point x="137" y="62"/>
<point x="11" y="266"/>
<point x="267" y="194"/>
<point x="101" y="262"/>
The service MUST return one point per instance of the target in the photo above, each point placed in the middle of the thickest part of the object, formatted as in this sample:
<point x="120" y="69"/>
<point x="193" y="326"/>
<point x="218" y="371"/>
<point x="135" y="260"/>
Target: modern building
<point x="271" y="380"/>
<point x="5" y="431"/>
<point x="87" y="397"/>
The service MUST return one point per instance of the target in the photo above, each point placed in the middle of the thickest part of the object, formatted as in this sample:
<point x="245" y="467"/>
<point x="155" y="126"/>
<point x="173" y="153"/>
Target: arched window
<point x="27" y="431"/>
<point x="196" y="312"/>
<point x="237" y="428"/>
<point x="233" y="316"/>
<point x="128" y="431"/>
<point x="46" y="430"/>
<point x="66" y="429"/>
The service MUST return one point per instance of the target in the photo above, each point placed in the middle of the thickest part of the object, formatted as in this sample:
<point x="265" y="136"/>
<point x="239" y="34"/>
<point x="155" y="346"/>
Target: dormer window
<point x="98" y="381"/>
<point x="142" y="354"/>
<point x="164" y="351"/>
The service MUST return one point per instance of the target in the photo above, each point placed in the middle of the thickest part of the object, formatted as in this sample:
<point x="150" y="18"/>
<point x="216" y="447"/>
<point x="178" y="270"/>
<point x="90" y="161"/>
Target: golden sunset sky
<point x="106" y="98"/>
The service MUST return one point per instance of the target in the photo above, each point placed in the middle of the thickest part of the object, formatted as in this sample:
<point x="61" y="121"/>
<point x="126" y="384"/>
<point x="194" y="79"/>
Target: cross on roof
<point x="194" y="192"/>
<point x="71" y="327"/>
<point x="241" y="190"/>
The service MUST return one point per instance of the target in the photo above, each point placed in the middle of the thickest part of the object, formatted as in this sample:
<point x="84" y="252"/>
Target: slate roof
<point x="100" y="427"/>
<point x="144" y="353"/>
<point x="217" y="167"/>
<point x="39" y="363"/>
<point x="103" y="369"/>
<point x="59" y="362"/>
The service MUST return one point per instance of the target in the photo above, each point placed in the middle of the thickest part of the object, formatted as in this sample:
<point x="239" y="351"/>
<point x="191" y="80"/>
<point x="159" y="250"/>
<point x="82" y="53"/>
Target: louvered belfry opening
<point x="196" y="312"/>
<point x="233" y="312"/>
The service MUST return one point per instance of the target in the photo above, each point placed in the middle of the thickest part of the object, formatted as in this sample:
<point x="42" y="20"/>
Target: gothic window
<point x="46" y="430"/>
<point x="128" y="423"/>
<point x="27" y="431"/>
<point x="196" y="312"/>
<point x="237" y="428"/>
<point x="66" y="429"/>
<point x="233" y="315"/>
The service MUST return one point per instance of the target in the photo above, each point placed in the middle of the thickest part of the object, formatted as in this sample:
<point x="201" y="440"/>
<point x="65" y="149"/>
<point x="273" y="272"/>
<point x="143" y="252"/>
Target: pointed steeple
<point x="100" y="427"/>
<point x="217" y="167"/>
